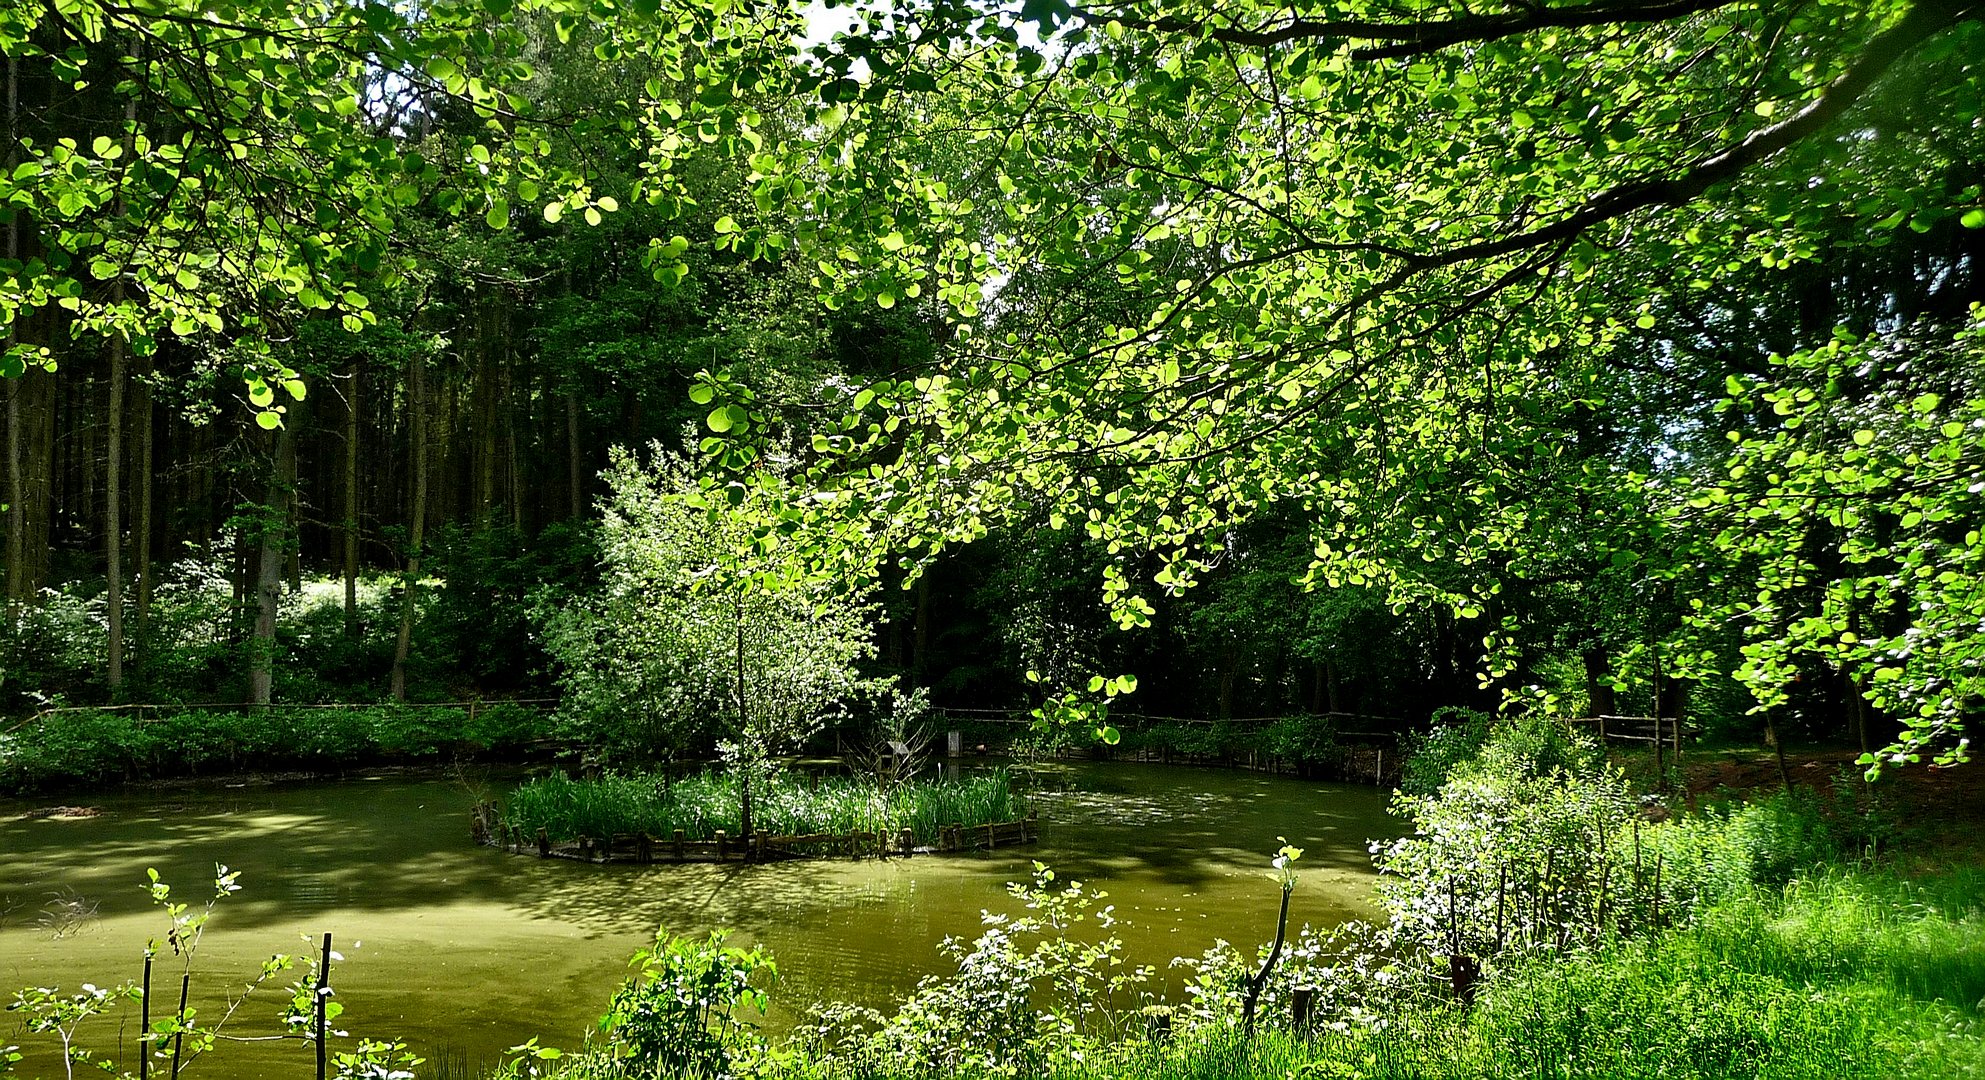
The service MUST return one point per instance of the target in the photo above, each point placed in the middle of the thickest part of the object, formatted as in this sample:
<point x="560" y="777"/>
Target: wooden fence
<point x="151" y="712"/>
<point x="487" y="828"/>
<point x="1664" y="733"/>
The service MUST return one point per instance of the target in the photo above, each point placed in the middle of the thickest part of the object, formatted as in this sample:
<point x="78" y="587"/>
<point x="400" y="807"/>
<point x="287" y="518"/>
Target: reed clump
<point x="705" y="803"/>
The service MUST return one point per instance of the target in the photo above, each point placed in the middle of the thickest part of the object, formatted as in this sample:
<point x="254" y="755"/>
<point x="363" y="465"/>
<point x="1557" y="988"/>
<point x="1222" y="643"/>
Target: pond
<point x="463" y="951"/>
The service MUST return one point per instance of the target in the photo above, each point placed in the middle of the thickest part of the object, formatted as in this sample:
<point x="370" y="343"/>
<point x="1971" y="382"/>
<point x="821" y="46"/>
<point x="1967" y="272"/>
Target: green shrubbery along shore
<point x="86" y="746"/>
<point x="1541" y="920"/>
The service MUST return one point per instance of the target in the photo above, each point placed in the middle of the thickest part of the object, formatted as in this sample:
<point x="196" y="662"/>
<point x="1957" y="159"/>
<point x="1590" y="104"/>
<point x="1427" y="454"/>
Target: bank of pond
<point x="1517" y="911"/>
<point x="75" y="747"/>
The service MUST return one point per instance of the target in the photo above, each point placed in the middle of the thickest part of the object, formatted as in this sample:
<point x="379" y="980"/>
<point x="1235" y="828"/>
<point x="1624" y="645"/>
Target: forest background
<point x="1600" y="357"/>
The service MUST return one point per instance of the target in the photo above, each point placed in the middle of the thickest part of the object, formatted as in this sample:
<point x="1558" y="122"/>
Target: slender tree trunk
<point x="17" y="500"/>
<point x="273" y="555"/>
<point x="350" y="529"/>
<point x="744" y="735"/>
<point x="574" y="459"/>
<point x="141" y="525"/>
<point x="920" y="634"/>
<point x="17" y="508"/>
<point x="417" y="406"/>
<point x="486" y="424"/>
<point x="113" y="484"/>
<point x="113" y="523"/>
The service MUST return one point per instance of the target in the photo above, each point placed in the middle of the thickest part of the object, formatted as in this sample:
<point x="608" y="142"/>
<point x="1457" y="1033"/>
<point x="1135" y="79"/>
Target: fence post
<point x="1302" y="1003"/>
<point x="905" y="841"/>
<point x="676" y="839"/>
<point x="723" y="845"/>
<point x="179" y="1036"/>
<point x="644" y="848"/>
<point x="544" y="844"/>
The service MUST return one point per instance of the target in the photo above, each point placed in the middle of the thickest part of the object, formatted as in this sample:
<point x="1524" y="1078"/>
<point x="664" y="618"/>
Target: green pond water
<point x="463" y="951"/>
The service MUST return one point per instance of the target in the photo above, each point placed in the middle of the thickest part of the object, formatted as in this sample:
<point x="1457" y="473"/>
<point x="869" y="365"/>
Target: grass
<point x="702" y="804"/>
<point x="1841" y="975"/>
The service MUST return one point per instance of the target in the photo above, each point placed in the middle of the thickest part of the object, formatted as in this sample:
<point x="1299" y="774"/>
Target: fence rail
<point x="1010" y="716"/>
<point x="243" y="706"/>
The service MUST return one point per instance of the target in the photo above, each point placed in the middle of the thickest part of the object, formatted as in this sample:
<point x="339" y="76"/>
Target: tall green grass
<point x="1840" y="975"/>
<point x="702" y="804"/>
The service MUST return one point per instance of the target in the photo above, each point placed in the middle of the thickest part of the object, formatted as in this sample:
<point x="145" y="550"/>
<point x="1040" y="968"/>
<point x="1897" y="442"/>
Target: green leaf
<point x="702" y="394"/>
<point x="719" y="419"/>
<point x="269" y="421"/>
<point x="553" y="211"/>
<point x="1973" y="218"/>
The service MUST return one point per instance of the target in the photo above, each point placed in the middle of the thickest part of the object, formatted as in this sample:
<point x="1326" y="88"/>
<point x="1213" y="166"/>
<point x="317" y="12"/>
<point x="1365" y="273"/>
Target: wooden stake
<point x="178" y="1036"/>
<point x="145" y="1022"/>
<point x="323" y="993"/>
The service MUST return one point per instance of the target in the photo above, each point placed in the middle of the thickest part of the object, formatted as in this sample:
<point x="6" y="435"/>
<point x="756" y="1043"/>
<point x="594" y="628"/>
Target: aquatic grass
<point x="702" y="804"/>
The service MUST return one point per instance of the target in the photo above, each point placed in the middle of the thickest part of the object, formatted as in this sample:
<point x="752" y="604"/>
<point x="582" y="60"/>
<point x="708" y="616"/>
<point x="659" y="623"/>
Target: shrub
<point x="1303" y="740"/>
<point x="677" y="1016"/>
<point x="1456" y="735"/>
<point x="1028" y="991"/>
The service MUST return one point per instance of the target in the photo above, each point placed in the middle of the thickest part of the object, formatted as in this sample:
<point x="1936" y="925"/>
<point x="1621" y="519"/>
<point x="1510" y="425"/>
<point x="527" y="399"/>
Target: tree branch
<point x="1413" y="38"/>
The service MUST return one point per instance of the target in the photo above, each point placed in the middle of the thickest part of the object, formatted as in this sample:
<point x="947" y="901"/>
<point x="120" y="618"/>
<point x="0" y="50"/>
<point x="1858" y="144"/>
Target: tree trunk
<point x="1599" y="693"/>
<point x="17" y="500"/>
<point x="350" y="524"/>
<point x="141" y="524"/>
<point x="113" y="522"/>
<point x="744" y="735"/>
<point x="272" y="557"/>
<point x="575" y="461"/>
<point x="17" y="509"/>
<point x="920" y="634"/>
<point x="417" y="435"/>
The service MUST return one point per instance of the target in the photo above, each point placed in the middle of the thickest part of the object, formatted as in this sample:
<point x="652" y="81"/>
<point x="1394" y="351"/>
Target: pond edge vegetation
<point x="650" y="818"/>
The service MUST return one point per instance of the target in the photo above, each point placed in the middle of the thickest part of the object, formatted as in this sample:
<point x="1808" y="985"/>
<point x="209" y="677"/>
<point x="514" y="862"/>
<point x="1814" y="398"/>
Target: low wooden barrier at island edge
<point x="487" y="828"/>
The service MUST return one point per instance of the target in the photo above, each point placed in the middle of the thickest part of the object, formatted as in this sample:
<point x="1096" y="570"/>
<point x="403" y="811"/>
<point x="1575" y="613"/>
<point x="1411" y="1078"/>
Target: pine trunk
<point x="113" y="523"/>
<point x="350" y="525"/>
<point x="417" y="436"/>
<point x="574" y="460"/>
<point x="272" y="557"/>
